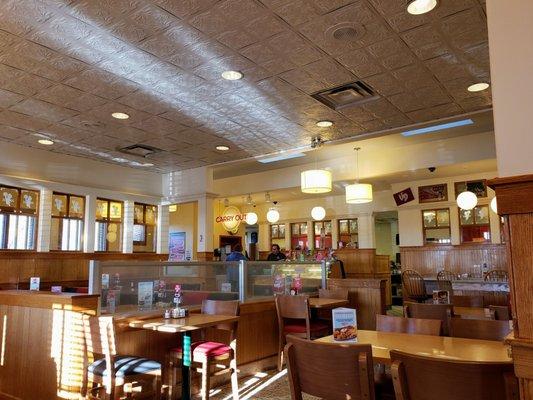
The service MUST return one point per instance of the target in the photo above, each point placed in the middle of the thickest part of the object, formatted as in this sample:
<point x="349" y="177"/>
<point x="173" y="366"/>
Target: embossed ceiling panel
<point x="66" y="65"/>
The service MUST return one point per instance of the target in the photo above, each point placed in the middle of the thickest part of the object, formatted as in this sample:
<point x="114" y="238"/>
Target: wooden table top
<point x="190" y="323"/>
<point x="449" y="348"/>
<point x="321" y="302"/>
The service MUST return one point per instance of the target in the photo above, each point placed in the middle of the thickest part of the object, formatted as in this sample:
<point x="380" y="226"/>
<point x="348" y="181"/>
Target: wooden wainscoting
<point x="56" y="268"/>
<point x="366" y="264"/>
<point x="367" y="296"/>
<point x="429" y="260"/>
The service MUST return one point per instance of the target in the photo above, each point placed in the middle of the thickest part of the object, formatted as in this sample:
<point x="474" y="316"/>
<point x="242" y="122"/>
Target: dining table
<point x="184" y="326"/>
<point x="321" y="302"/>
<point x="446" y="348"/>
<point x="472" y="312"/>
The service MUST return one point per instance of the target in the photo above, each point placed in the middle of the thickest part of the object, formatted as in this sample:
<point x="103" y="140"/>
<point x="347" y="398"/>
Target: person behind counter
<point x="236" y="254"/>
<point x="276" y="254"/>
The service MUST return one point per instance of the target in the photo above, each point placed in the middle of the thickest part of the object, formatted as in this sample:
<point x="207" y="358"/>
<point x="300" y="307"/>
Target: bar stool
<point x="99" y="335"/>
<point x="206" y="354"/>
<point x="414" y="286"/>
<point x="294" y="319"/>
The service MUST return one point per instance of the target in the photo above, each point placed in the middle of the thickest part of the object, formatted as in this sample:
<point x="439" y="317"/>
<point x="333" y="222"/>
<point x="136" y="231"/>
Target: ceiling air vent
<point x="141" y="150"/>
<point x="352" y="94"/>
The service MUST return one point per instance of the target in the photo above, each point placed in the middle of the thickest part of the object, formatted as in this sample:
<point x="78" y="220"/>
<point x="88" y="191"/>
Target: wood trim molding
<point x="32" y="255"/>
<point x="514" y="194"/>
<point x="437" y="247"/>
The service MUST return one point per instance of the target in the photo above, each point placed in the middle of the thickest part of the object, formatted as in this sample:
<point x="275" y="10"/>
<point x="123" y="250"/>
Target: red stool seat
<point x="299" y="327"/>
<point x="206" y="349"/>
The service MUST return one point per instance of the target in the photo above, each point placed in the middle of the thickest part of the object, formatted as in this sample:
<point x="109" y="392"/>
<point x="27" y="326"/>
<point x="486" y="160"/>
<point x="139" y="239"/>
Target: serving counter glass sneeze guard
<point x="148" y="286"/>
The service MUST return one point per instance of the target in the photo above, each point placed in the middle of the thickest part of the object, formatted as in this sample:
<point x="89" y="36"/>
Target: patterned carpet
<point x="269" y="385"/>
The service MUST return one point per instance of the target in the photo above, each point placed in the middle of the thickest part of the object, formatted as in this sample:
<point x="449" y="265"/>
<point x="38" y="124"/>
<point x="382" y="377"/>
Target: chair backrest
<point x="444" y="275"/>
<point x="497" y="275"/>
<point x="467" y="301"/>
<point x="501" y="313"/>
<point x="99" y="334"/>
<point x="416" y="376"/>
<point x="341" y="294"/>
<point x="387" y="323"/>
<point x="429" y="311"/>
<point x="329" y="371"/>
<point x="293" y="307"/>
<point x="413" y="284"/>
<point x="479" y="328"/>
<point x="222" y="307"/>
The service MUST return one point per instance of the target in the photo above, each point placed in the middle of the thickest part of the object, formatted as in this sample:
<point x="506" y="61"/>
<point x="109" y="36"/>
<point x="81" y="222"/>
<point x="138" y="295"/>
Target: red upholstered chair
<point x="294" y="319"/>
<point x="206" y="354"/>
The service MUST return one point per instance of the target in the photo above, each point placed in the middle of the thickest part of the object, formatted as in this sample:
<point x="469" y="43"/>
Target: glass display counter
<point x="149" y="286"/>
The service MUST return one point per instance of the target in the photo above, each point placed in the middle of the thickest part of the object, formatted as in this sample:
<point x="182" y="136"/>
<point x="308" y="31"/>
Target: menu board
<point x="344" y="324"/>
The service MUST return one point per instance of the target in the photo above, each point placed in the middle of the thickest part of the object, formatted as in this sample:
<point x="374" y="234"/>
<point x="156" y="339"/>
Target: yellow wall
<point x="185" y="219"/>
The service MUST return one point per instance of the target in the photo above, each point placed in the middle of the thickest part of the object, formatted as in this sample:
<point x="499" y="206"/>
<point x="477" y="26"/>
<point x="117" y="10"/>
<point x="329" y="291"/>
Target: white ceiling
<point x="66" y="65"/>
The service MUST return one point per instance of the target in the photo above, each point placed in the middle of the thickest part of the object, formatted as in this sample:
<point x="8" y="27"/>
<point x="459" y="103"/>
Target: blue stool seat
<point x="125" y="366"/>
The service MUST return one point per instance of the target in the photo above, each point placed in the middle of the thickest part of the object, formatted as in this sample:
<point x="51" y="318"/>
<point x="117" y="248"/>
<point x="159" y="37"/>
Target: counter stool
<point x="206" y="354"/>
<point x="294" y="319"/>
<point x="99" y="335"/>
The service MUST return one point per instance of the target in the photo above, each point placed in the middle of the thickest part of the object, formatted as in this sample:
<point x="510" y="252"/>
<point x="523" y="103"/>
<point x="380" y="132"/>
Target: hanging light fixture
<point x="358" y="193"/>
<point x="316" y="180"/>
<point x="318" y="213"/>
<point x="494" y="205"/>
<point x="273" y="214"/>
<point x="467" y="200"/>
<point x="251" y="218"/>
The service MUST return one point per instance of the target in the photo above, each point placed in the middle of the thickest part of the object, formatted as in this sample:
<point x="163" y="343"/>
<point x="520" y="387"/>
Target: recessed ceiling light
<point x="232" y="75"/>
<point x="120" y="115"/>
<point x="418" y="7"/>
<point x="324" y="124"/>
<point x="148" y="164"/>
<point x="46" y="142"/>
<point x="478" y="87"/>
<point x="222" y="148"/>
<point x="439" y="127"/>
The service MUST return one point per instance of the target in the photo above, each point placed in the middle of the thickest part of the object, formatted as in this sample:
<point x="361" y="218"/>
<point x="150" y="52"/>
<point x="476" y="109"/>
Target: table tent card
<point x="344" y="324"/>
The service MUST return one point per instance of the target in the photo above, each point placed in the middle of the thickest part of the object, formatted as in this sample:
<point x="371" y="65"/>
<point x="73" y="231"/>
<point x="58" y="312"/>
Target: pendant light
<point x="358" y="193"/>
<point x="467" y="200"/>
<point x="318" y="213"/>
<point x="251" y="217"/>
<point x="316" y="180"/>
<point x="494" y="205"/>
<point x="273" y="214"/>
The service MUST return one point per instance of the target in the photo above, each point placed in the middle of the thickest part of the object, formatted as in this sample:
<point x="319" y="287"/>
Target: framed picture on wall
<point x="281" y="231"/>
<point x="295" y="229"/>
<point x="343" y="226"/>
<point x="478" y="187"/>
<point x="433" y="193"/>
<point x="275" y="232"/>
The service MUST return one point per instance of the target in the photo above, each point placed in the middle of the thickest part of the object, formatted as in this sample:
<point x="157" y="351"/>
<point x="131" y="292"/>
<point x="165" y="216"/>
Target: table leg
<point x="186" y="367"/>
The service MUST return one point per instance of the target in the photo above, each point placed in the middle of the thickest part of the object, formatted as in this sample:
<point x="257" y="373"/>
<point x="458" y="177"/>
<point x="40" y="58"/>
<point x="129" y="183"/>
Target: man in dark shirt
<point x="276" y="254"/>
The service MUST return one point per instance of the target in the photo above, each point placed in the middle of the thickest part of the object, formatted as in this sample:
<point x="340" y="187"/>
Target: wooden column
<point x="515" y="203"/>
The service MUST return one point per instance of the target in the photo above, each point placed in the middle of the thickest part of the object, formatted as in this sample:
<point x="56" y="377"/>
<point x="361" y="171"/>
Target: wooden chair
<point x="294" y="318"/>
<point x="497" y="275"/>
<point x="329" y="371"/>
<point x="441" y="312"/>
<point x="501" y="313"/>
<point x="100" y="343"/>
<point x="386" y="323"/>
<point x="207" y="355"/>
<point x="467" y="301"/>
<point x="341" y="294"/>
<point x="421" y="378"/>
<point x="445" y="275"/>
<point x="413" y="285"/>
<point x="479" y="329"/>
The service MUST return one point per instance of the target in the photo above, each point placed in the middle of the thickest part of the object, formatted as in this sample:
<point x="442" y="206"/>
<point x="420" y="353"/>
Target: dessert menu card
<point x="344" y="324"/>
